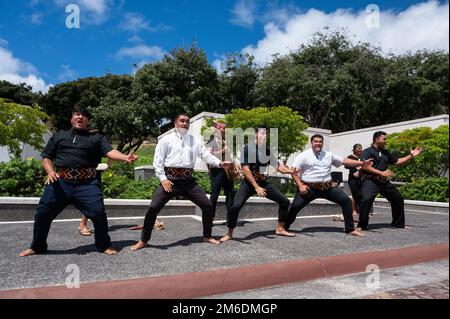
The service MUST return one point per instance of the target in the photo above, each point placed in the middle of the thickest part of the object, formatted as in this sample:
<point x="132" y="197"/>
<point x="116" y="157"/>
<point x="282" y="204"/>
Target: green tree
<point x="118" y="116"/>
<point x="341" y="85"/>
<point x="289" y="123"/>
<point x="415" y="86"/>
<point x="237" y="82"/>
<point x="183" y="81"/>
<point x="21" y="124"/>
<point x="432" y="162"/>
<point x="19" y="93"/>
<point x="61" y="98"/>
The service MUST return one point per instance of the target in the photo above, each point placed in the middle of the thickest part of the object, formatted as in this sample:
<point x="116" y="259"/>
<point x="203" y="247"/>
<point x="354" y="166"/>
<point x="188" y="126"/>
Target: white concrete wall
<point x="27" y="150"/>
<point x="342" y="143"/>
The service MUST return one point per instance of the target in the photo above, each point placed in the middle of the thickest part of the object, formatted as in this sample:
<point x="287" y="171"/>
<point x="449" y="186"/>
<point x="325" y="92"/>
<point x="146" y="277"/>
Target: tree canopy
<point x="21" y="124"/>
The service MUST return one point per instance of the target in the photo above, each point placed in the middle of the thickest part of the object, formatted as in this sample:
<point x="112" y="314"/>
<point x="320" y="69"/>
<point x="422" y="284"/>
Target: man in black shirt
<point x="70" y="159"/>
<point x="375" y="179"/>
<point x="254" y="158"/>
<point x="220" y="178"/>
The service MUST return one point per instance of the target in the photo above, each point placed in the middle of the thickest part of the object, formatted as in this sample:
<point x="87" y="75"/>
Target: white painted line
<point x="197" y="218"/>
<point x="276" y="218"/>
<point x="109" y="218"/>
<point x="415" y="211"/>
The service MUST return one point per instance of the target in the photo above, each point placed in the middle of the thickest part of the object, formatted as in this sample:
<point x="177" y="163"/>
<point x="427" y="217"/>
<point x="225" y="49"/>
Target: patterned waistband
<point x="321" y="186"/>
<point x="376" y="178"/>
<point x="178" y="172"/>
<point x="76" y="173"/>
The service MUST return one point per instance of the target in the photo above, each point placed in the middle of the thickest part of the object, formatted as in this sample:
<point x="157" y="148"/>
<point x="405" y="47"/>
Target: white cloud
<point x="421" y="26"/>
<point x="217" y="64"/>
<point x="97" y="6"/>
<point x="243" y="13"/>
<point x="92" y="11"/>
<point x="135" y="39"/>
<point x="37" y="18"/>
<point x="141" y="51"/>
<point x="135" y="22"/>
<point x="3" y="42"/>
<point x="67" y="74"/>
<point x="17" y="71"/>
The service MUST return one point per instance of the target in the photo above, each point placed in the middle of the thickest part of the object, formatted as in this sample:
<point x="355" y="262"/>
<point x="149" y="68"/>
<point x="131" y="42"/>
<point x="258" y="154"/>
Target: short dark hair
<point x="180" y="114"/>
<point x="82" y="110"/>
<point x="377" y="134"/>
<point x="316" y="135"/>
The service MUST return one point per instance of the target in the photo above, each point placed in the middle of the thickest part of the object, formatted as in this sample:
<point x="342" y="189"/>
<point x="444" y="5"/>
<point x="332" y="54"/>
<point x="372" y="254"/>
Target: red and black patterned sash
<point x="178" y="172"/>
<point x="321" y="186"/>
<point x="376" y="178"/>
<point x="76" y="173"/>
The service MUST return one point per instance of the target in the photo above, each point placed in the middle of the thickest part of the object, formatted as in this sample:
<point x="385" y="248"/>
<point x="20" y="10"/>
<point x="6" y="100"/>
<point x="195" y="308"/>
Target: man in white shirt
<point x="174" y="160"/>
<point x="313" y="177"/>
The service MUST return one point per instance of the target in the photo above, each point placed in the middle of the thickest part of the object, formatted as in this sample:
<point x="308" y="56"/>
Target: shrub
<point x="22" y="178"/>
<point x="426" y="189"/>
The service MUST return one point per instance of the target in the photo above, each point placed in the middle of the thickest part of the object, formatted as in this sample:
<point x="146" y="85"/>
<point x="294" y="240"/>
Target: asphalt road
<point x="179" y="248"/>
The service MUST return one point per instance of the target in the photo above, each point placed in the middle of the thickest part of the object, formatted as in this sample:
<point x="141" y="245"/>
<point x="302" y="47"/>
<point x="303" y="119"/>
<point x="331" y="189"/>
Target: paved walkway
<point x="179" y="249"/>
<point x="437" y="290"/>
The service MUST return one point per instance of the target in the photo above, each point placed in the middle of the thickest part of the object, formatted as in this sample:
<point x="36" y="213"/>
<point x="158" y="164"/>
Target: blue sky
<point x="38" y="48"/>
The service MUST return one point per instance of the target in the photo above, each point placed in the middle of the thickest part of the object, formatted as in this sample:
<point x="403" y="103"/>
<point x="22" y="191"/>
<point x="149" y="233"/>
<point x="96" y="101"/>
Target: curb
<point x="200" y="284"/>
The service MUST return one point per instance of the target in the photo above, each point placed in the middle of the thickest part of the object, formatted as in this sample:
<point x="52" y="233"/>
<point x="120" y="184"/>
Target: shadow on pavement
<point x="83" y="250"/>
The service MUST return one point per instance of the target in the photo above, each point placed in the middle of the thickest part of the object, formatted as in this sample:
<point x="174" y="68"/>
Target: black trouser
<point x="356" y="190"/>
<point x="370" y="189"/>
<point x="335" y="194"/>
<point x="84" y="195"/>
<point x="184" y="187"/>
<point x="219" y="180"/>
<point x="246" y="191"/>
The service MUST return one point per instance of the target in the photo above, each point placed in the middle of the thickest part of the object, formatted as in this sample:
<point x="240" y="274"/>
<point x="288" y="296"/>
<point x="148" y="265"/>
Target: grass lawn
<point x="145" y="154"/>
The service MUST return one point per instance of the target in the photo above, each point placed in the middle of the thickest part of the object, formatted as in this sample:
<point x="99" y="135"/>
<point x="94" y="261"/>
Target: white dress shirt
<point x="180" y="150"/>
<point x="316" y="169"/>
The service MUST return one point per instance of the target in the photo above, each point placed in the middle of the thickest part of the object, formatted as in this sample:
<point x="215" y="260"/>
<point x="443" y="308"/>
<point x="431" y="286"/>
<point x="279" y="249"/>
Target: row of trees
<point x="331" y="81"/>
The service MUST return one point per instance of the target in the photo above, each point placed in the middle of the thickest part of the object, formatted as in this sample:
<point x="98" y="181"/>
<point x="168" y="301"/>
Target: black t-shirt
<point x="256" y="159"/>
<point x="76" y="149"/>
<point x="381" y="158"/>
<point x="352" y="169"/>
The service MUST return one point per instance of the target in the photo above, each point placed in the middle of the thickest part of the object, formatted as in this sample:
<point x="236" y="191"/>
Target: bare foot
<point x="84" y="231"/>
<point x="27" y="252"/>
<point x="225" y="238"/>
<point x="139" y="245"/>
<point x="110" y="251"/>
<point x="159" y="225"/>
<point x="284" y="232"/>
<point x="357" y="232"/>
<point x="211" y="240"/>
<point x="404" y="227"/>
